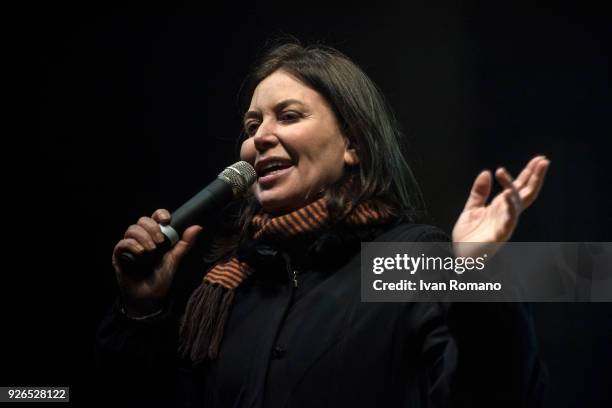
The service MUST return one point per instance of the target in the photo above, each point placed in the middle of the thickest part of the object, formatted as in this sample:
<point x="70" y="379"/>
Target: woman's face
<point x="294" y="143"/>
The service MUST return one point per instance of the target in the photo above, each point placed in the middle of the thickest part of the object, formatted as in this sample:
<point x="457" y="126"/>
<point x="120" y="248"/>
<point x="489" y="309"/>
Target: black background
<point x="127" y="113"/>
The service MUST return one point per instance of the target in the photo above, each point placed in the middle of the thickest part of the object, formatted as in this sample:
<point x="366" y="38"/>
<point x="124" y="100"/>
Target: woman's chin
<point x="275" y="205"/>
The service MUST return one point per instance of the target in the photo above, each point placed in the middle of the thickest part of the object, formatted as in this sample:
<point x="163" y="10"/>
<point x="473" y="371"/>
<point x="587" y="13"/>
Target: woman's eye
<point x="289" y="116"/>
<point x="250" y="128"/>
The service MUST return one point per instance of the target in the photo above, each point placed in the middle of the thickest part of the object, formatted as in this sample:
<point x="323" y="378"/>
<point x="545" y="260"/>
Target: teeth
<point x="272" y="164"/>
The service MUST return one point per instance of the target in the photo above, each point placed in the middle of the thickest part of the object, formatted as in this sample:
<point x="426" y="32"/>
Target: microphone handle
<point x="202" y="206"/>
<point x="197" y="210"/>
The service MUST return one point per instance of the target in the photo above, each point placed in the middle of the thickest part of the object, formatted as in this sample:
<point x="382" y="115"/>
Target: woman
<point x="278" y="321"/>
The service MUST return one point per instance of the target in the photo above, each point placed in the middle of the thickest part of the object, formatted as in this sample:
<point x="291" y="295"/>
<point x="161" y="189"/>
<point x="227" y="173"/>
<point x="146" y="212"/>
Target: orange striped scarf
<point x="208" y="307"/>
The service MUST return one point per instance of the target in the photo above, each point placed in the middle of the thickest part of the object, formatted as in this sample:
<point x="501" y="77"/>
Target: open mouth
<point x="272" y="170"/>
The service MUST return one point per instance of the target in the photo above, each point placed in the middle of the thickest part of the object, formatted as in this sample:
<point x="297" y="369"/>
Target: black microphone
<point x="231" y="183"/>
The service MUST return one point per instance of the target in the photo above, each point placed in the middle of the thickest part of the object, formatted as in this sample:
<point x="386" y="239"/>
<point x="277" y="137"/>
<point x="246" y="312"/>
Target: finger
<point x="524" y="176"/>
<point x="186" y="242"/>
<point x="127" y="245"/>
<point x="533" y="186"/>
<point x="507" y="216"/>
<point x="514" y="206"/>
<point x="152" y="227"/>
<point x="504" y="178"/>
<point x="511" y="194"/>
<point x="141" y="235"/>
<point x="480" y="190"/>
<point x="162" y="216"/>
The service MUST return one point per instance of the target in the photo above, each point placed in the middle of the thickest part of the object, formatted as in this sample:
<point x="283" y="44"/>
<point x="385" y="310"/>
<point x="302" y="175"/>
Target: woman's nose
<point x="265" y="138"/>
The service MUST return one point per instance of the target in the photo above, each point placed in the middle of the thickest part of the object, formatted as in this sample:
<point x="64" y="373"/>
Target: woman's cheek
<point x="247" y="151"/>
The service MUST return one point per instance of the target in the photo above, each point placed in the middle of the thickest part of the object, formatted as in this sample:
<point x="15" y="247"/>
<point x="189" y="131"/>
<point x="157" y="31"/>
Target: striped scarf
<point x="208" y="308"/>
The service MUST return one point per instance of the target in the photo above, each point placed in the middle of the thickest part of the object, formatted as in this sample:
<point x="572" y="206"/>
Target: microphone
<point x="231" y="183"/>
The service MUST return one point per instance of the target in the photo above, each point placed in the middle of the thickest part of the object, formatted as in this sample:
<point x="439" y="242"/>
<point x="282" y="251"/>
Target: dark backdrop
<point x="131" y="114"/>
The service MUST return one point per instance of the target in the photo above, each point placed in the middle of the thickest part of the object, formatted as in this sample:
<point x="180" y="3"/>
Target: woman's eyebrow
<point x="279" y="106"/>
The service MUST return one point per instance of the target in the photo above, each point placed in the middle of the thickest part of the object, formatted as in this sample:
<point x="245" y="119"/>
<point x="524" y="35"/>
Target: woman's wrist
<point x="141" y="310"/>
<point x="137" y="316"/>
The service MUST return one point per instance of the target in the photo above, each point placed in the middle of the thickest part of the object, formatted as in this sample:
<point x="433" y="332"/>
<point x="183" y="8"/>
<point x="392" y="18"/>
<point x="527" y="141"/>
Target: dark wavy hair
<point x="383" y="176"/>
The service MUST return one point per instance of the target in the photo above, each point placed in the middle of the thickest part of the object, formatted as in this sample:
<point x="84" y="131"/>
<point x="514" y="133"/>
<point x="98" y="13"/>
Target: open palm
<point x="496" y="221"/>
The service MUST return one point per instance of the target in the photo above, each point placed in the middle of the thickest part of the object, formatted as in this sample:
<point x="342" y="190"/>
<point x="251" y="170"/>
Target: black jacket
<point x="299" y="336"/>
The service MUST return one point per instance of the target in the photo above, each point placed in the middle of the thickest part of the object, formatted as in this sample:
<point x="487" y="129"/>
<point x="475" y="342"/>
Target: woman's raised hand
<point x="495" y="222"/>
<point x="144" y="293"/>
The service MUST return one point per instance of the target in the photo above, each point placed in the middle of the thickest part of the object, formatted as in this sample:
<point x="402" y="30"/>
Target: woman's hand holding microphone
<point x="144" y="293"/>
<point x="146" y="259"/>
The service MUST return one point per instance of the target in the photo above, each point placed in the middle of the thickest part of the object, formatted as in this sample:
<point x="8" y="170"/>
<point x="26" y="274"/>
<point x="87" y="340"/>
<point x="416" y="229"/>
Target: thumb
<point x="186" y="242"/>
<point x="480" y="190"/>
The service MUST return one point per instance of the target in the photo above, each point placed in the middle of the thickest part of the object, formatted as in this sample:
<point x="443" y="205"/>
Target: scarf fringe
<point x="203" y="323"/>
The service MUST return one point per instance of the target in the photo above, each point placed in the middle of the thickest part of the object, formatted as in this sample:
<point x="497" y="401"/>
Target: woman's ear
<point x="350" y="157"/>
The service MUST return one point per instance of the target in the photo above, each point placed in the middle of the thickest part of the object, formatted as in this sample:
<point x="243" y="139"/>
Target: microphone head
<point x="240" y="176"/>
